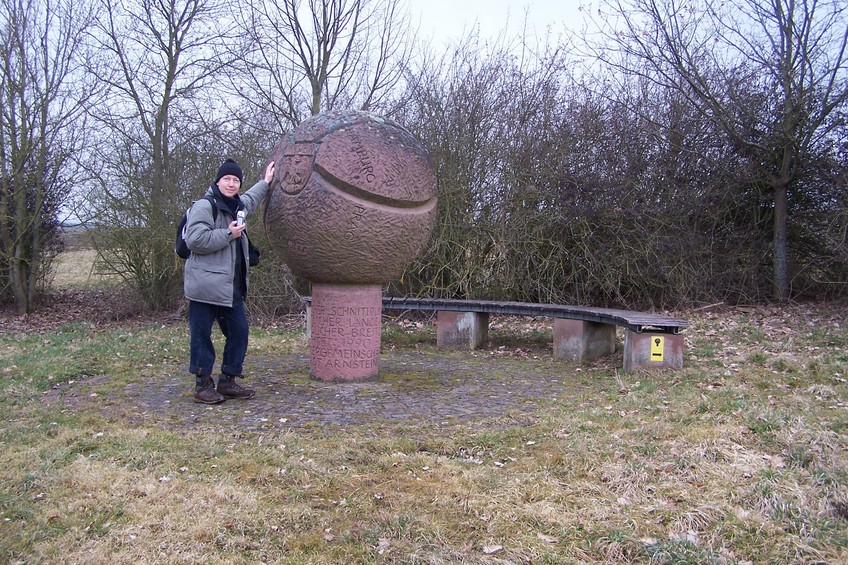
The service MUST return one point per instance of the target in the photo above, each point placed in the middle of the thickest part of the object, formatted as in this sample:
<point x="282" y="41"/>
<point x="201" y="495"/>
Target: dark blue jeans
<point x="233" y="324"/>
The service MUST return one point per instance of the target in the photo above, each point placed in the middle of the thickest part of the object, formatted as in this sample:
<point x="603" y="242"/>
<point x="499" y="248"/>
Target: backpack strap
<point x="214" y="204"/>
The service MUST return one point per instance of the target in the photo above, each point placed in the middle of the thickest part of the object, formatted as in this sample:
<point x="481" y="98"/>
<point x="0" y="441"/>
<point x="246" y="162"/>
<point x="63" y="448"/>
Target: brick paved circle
<point x="414" y="388"/>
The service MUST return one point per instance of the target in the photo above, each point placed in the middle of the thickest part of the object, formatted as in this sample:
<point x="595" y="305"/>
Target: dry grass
<point x="741" y="457"/>
<point x="76" y="268"/>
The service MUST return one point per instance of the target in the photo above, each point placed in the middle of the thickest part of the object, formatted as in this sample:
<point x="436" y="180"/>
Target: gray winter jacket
<point x="210" y="269"/>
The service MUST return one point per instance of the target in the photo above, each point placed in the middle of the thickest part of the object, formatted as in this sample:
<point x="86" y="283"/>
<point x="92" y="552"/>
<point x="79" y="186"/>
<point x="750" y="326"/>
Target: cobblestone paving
<point x="413" y="388"/>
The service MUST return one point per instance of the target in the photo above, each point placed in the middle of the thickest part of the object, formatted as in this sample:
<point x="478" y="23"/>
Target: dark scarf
<point x="233" y="204"/>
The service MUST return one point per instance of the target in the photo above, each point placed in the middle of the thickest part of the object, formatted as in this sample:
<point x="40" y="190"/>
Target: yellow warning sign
<point x="657" y="343"/>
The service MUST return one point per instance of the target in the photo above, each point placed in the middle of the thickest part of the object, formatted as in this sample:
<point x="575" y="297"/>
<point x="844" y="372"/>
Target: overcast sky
<point x="447" y="20"/>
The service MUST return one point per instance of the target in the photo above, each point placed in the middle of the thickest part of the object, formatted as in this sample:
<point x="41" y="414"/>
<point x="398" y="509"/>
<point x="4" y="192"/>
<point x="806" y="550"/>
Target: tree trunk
<point x="19" y="276"/>
<point x="780" y="287"/>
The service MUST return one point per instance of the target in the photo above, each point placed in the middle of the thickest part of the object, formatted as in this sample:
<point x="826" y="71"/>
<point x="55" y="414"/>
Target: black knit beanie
<point x="229" y="167"/>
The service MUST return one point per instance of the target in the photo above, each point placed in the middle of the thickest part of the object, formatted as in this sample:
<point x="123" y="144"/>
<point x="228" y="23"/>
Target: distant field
<point x="75" y="268"/>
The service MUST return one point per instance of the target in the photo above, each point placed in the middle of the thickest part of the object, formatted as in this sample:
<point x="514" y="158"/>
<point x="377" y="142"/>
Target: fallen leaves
<point x="103" y="306"/>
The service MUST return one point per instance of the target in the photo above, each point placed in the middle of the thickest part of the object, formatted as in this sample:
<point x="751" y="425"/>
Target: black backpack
<point x="182" y="250"/>
<point x="180" y="247"/>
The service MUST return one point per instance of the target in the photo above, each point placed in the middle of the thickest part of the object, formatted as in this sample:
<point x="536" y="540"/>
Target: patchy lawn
<point x="503" y="455"/>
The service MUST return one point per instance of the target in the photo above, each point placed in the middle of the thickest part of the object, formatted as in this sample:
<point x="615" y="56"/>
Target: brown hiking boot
<point x="228" y="386"/>
<point x="206" y="393"/>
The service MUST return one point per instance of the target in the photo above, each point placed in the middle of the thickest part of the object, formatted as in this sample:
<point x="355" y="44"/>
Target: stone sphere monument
<point x="353" y="201"/>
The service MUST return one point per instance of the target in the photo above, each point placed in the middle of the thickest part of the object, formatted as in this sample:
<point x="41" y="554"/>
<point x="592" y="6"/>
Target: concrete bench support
<point x="461" y="330"/>
<point x="652" y="351"/>
<point x="578" y="340"/>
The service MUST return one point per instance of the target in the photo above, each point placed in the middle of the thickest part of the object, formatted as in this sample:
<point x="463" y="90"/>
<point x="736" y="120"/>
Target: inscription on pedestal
<point x="345" y="326"/>
<point x="343" y="337"/>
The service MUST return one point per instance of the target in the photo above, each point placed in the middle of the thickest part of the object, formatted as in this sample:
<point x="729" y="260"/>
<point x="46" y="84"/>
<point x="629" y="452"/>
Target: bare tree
<point x="769" y="73"/>
<point x="42" y="91"/>
<point x="163" y="62"/>
<point x="319" y="55"/>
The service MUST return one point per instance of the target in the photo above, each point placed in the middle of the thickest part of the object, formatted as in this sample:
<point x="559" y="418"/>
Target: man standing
<point x="216" y="280"/>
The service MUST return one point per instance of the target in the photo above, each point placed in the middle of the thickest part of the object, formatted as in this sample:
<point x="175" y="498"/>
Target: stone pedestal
<point x="344" y="322"/>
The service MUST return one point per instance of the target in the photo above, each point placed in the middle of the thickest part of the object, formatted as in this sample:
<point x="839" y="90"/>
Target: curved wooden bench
<point x="580" y="332"/>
